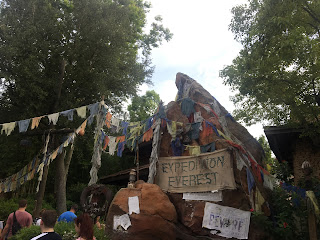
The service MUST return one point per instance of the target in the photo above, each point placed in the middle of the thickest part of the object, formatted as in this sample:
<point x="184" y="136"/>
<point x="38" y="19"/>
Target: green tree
<point x="58" y="54"/>
<point x="61" y="54"/>
<point x="144" y="106"/>
<point x="276" y="75"/>
<point x="266" y="148"/>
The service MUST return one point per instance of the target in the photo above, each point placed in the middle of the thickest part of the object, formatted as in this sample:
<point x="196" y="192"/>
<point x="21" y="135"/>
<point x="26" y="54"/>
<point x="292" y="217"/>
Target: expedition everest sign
<point x="206" y="172"/>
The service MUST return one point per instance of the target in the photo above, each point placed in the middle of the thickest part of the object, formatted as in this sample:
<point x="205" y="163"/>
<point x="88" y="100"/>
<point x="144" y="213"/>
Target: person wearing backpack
<point x="17" y="220"/>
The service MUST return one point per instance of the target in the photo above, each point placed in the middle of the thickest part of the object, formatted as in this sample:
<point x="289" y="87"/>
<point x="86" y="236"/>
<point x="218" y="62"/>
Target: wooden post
<point x="312" y="207"/>
<point x="312" y="226"/>
<point x="137" y="163"/>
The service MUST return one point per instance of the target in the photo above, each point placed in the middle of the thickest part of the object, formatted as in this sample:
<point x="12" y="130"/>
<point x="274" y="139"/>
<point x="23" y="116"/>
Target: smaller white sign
<point x="133" y="203"/>
<point x="204" y="196"/>
<point x="231" y="222"/>
<point x="123" y="221"/>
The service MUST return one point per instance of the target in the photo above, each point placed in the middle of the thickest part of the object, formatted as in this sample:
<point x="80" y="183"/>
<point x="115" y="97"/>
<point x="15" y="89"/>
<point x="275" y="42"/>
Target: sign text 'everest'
<point x="205" y="172"/>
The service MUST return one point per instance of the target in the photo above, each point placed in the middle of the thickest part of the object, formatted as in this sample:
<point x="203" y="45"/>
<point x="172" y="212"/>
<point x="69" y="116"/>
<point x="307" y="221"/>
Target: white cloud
<point x="143" y="89"/>
<point x="167" y="91"/>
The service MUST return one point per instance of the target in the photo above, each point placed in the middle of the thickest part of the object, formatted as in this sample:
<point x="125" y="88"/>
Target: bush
<point x="288" y="219"/>
<point x="99" y="234"/>
<point x="26" y="233"/>
<point x="66" y="230"/>
<point x="7" y="207"/>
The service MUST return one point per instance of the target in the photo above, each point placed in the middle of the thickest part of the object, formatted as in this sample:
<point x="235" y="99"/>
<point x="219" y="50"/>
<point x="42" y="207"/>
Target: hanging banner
<point x="231" y="222"/>
<point x="202" y="173"/>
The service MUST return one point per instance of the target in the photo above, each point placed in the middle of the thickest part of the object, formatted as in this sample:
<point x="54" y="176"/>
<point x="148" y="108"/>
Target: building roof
<point x="281" y="140"/>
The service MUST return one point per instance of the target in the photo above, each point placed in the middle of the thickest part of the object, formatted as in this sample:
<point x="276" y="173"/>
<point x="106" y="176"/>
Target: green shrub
<point x="7" y="207"/>
<point x="66" y="230"/>
<point x="100" y="234"/>
<point x="26" y="233"/>
<point x="289" y="216"/>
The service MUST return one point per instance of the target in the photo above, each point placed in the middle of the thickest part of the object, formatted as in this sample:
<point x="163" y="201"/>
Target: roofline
<point x="271" y="130"/>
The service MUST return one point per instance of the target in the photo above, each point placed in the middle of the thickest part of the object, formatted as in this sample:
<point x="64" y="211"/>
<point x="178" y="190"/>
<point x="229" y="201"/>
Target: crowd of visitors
<point x="48" y="218"/>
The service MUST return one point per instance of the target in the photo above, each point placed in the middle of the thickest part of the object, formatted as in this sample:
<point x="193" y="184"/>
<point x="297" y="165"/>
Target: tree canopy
<point x="62" y="54"/>
<point x="276" y="75"/>
<point x="56" y="55"/>
<point x="144" y="106"/>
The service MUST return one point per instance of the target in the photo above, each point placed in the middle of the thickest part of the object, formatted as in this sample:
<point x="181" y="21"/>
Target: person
<point x="69" y="216"/>
<point x="23" y="218"/>
<point x="1" y="228"/>
<point x="84" y="227"/>
<point x="97" y="222"/>
<point x="47" y="222"/>
<point x="38" y="220"/>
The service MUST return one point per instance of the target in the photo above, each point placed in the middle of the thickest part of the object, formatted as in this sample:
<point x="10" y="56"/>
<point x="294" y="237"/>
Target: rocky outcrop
<point x="169" y="216"/>
<point x="156" y="219"/>
<point x="188" y="87"/>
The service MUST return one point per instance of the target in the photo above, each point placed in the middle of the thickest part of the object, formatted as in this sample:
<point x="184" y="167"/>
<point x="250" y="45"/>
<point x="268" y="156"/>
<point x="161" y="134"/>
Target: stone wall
<point x="305" y="151"/>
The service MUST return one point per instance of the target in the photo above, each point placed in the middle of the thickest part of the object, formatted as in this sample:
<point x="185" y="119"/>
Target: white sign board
<point x="133" y="203"/>
<point x="204" y="196"/>
<point x="231" y="222"/>
<point x="121" y="221"/>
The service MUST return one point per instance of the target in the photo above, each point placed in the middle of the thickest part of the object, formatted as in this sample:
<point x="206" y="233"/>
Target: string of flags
<point x="37" y="164"/>
<point x="133" y="133"/>
<point x="32" y="123"/>
<point x="137" y="132"/>
<point x="120" y="134"/>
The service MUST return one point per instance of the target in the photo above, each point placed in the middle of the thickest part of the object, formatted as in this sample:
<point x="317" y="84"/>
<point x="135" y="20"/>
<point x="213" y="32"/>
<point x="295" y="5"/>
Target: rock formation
<point x="168" y="215"/>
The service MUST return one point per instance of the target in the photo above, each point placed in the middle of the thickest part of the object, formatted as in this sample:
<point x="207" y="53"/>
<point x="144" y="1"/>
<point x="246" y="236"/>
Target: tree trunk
<point x="61" y="174"/>
<point x="42" y="187"/>
<point x="68" y="160"/>
<point x="60" y="183"/>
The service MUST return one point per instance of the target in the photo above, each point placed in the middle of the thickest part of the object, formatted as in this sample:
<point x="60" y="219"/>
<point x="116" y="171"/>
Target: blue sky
<point x="201" y="46"/>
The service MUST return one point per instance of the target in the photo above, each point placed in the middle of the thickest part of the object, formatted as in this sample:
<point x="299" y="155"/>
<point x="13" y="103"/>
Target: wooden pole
<point x="137" y="163"/>
<point x="312" y="226"/>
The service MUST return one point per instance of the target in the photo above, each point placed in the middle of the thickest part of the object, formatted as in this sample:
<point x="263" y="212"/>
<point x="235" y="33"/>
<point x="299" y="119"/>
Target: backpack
<point x="15" y="225"/>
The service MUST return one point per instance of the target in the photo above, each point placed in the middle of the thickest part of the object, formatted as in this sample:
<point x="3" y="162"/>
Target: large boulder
<point x="189" y="88"/>
<point x="157" y="216"/>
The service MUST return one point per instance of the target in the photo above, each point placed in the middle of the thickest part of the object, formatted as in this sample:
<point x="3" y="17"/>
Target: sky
<point x="201" y="46"/>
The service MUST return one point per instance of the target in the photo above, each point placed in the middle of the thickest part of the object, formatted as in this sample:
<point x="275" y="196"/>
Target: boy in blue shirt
<point x="69" y="216"/>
